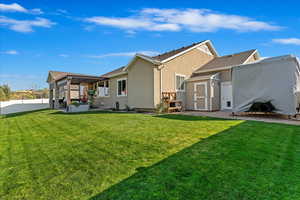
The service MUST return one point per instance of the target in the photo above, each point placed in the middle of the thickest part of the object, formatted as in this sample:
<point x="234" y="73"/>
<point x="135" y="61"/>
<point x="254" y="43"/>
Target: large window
<point x="103" y="89"/>
<point x="180" y="82"/>
<point x="122" y="87"/>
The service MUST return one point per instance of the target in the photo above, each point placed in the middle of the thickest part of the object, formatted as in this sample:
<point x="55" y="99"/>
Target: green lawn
<point x="50" y="155"/>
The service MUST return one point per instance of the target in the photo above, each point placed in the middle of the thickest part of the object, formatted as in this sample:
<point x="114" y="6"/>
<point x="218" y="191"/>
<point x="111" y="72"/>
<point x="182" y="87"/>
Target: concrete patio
<point x="264" y="118"/>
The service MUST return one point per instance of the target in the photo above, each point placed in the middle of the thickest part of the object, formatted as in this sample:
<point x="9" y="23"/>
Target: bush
<point x="161" y="108"/>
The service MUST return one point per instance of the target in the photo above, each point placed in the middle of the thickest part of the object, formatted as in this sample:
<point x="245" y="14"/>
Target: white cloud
<point x="125" y="54"/>
<point x="195" y="20"/>
<point x="62" y="11"/>
<point x="25" y="25"/>
<point x="294" y="41"/>
<point x="63" y="55"/>
<point x="14" y="7"/>
<point x="11" y="52"/>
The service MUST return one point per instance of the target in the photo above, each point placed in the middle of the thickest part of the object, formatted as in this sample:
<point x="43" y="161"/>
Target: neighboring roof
<point x="117" y="71"/>
<point x="57" y="75"/>
<point x="226" y="61"/>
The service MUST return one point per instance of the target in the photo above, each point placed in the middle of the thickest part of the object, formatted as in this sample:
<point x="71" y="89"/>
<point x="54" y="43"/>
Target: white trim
<point x="195" y="96"/>
<point x="223" y="83"/>
<point x="161" y="83"/>
<point x="212" y="91"/>
<point x="121" y="79"/>
<point x="204" y="48"/>
<point x="118" y="74"/>
<point x="155" y="62"/>
<point x="216" y="69"/>
<point x="181" y="75"/>
<point x="189" y="49"/>
<point x="250" y="57"/>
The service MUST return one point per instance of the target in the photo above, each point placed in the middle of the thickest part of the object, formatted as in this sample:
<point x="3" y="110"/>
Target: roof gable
<point x="177" y="52"/>
<point x="165" y="57"/>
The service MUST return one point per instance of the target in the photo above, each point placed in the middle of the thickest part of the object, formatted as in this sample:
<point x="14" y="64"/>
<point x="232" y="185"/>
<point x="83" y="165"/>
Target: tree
<point x="5" y="92"/>
<point x="2" y="95"/>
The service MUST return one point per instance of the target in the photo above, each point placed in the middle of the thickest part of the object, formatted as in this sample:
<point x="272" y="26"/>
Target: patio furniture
<point x="170" y="99"/>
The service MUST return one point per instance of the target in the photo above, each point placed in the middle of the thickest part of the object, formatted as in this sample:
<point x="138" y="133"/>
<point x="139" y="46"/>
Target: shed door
<point x="200" y="96"/>
<point x="226" y="95"/>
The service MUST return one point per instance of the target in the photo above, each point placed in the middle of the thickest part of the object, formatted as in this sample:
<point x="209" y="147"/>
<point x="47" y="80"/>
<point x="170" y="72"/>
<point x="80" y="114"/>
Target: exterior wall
<point x="225" y="75"/>
<point x="110" y="101"/>
<point x="157" y="86"/>
<point x="185" y="65"/>
<point x="216" y="99"/>
<point x="141" y="84"/>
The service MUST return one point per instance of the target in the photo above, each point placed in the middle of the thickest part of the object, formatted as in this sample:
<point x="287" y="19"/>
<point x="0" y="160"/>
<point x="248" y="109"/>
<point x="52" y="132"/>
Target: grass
<point x="50" y="155"/>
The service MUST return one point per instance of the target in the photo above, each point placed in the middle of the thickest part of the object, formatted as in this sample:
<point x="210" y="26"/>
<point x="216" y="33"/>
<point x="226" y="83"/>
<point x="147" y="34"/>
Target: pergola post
<point x="69" y="91"/>
<point x="51" y="105"/>
<point x="56" y="95"/>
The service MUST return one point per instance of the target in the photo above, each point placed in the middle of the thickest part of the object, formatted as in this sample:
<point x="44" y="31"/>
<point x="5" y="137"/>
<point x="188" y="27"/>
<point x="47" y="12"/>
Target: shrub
<point x="161" y="108"/>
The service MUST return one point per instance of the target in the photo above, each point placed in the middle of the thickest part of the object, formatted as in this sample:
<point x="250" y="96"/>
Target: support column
<point x="51" y="105"/>
<point x="69" y="91"/>
<point x="56" y="95"/>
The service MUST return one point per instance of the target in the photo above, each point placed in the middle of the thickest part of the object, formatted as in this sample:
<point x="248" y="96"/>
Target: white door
<point x="200" y="96"/>
<point x="226" y="95"/>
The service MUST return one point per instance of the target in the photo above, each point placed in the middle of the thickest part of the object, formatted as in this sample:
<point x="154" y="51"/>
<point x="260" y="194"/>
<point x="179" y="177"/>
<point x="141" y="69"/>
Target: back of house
<point x="200" y="78"/>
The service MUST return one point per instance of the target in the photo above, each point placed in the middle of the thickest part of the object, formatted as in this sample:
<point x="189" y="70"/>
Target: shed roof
<point x="226" y="61"/>
<point x="57" y="75"/>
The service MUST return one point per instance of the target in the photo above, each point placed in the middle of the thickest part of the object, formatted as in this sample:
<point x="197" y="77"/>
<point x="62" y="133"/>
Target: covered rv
<point x="275" y="80"/>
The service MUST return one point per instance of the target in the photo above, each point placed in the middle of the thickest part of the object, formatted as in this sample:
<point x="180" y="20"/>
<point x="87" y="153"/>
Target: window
<point x="122" y="87"/>
<point x="180" y="82"/>
<point x="103" y="89"/>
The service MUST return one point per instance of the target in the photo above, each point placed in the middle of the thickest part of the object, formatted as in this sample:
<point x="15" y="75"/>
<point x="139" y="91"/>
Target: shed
<point x="275" y="80"/>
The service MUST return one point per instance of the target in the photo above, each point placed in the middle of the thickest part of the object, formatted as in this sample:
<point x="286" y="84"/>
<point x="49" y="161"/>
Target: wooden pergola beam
<point x="69" y="90"/>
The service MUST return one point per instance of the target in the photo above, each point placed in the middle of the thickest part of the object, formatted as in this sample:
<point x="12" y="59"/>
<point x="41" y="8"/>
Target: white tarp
<point x="274" y="79"/>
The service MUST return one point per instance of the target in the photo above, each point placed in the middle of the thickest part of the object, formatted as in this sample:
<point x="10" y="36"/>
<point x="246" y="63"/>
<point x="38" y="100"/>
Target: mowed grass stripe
<point x="138" y="156"/>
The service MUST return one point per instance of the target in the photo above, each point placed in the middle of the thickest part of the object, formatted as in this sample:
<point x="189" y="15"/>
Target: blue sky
<point x="94" y="37"/>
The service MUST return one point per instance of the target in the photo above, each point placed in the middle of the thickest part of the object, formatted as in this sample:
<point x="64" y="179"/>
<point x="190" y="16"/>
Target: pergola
<point x="68" y="83"/>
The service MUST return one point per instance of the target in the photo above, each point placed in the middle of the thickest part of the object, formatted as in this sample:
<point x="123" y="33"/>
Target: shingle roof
<point x="159" y="58"/>
<point x="111" y="73"/>
<point x="56" y="75"/>
<point x="169" y="54"/>
<point x="226" y="61"/>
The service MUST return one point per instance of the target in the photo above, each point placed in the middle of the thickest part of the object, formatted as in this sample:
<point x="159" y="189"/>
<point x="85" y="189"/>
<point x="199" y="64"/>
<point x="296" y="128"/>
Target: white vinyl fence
<point x="14" y="106"/>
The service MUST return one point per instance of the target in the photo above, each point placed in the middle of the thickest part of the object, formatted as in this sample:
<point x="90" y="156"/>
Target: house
<point x="200" y="78"/>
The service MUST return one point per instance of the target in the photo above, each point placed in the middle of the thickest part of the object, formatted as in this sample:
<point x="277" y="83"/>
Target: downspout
<point x="161" y="82"/>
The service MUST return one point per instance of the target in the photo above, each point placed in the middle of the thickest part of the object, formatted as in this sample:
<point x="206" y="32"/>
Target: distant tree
<point x="5" y="92"/>
<point x="2" y="95"/>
